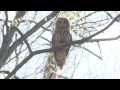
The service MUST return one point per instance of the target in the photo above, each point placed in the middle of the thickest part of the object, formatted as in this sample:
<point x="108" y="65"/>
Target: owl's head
<point x="62" y="23"/>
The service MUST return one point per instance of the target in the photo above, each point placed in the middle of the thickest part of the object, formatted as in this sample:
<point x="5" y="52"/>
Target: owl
<point x="60" y="36"/>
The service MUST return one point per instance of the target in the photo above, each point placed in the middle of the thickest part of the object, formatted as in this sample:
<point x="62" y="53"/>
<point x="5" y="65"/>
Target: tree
<point x="25" y="44"/>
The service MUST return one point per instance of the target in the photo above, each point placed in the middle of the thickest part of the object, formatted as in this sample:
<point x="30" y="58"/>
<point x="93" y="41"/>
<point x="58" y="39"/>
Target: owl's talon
<point x="61" y="44"/>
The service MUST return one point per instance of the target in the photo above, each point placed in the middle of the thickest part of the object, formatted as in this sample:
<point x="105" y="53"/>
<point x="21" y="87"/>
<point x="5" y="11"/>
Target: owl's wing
<point x="55" y="39"/>
<point x="68" y="48"/>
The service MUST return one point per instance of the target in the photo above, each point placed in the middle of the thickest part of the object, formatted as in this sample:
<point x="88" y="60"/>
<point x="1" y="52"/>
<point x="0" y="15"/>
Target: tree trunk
<point x="50" y="71"/>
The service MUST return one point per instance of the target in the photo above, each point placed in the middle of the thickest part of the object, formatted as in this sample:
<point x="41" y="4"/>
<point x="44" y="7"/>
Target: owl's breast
<point x="62" y="37"/>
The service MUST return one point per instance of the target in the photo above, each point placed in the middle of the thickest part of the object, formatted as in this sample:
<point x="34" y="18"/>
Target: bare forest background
<point x="25" y="44"/>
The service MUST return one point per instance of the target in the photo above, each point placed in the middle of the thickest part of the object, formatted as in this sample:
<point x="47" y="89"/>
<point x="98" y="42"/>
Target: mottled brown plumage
<point x="61" y="35"/>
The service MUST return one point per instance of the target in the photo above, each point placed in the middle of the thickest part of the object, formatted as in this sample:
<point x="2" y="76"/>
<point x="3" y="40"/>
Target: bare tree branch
<point x="10" y="21"/>
<point x="87" y="38"/>
<point x="92" y="53"/>
<point x="94" y="21"/>
<point x="45" y="28"/>
<point x="90" y="14"/>
<point x="7" y="40"/>
<point x="22" y="36"/>
<point x="60" y="76"/>
<point x="108" y="14"/>
<point x="45" y="39"/>
<point x="20" y="14"/>
<point x="89" y="51"/>
<point x="6" y="21"/>
<point x="31" y="31"/>
<point x="25" y="48"/>
<point x="99" y="49"/>
<point x="7" y="72"/>
<point x="105" y="39"/>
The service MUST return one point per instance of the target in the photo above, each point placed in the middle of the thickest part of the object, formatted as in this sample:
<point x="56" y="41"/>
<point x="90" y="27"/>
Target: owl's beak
<point x="62" y="24"/>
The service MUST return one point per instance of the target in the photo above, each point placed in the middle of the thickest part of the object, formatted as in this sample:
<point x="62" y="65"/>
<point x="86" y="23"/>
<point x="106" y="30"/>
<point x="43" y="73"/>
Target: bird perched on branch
<point x="60" y="36"/>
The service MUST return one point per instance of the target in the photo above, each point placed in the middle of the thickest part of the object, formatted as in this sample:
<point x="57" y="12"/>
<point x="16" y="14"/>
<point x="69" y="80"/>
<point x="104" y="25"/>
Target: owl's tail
<point x="60" y="58"/>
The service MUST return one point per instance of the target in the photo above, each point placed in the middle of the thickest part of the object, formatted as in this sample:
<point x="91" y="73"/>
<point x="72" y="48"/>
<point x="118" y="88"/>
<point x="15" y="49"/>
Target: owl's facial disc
<point x="62" y="24"/>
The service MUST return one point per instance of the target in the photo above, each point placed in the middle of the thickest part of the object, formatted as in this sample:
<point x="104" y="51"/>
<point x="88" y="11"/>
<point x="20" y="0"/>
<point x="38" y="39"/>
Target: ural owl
<point x="60" y="36"/>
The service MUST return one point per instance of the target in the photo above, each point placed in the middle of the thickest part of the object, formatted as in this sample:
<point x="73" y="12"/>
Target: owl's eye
<point x="60" y="24"/>
<point x="65" y="24"/>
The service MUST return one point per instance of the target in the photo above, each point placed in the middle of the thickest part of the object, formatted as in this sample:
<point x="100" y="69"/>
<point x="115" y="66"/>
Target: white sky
<point x="89" y="67"/>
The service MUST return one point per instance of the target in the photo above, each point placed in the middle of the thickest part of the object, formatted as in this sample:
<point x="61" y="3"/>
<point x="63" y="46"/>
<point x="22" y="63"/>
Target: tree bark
<point x="50" y="71"/>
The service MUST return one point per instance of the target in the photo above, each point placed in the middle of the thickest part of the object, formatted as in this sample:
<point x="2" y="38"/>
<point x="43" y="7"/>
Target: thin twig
<point x="92" y="53"/>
